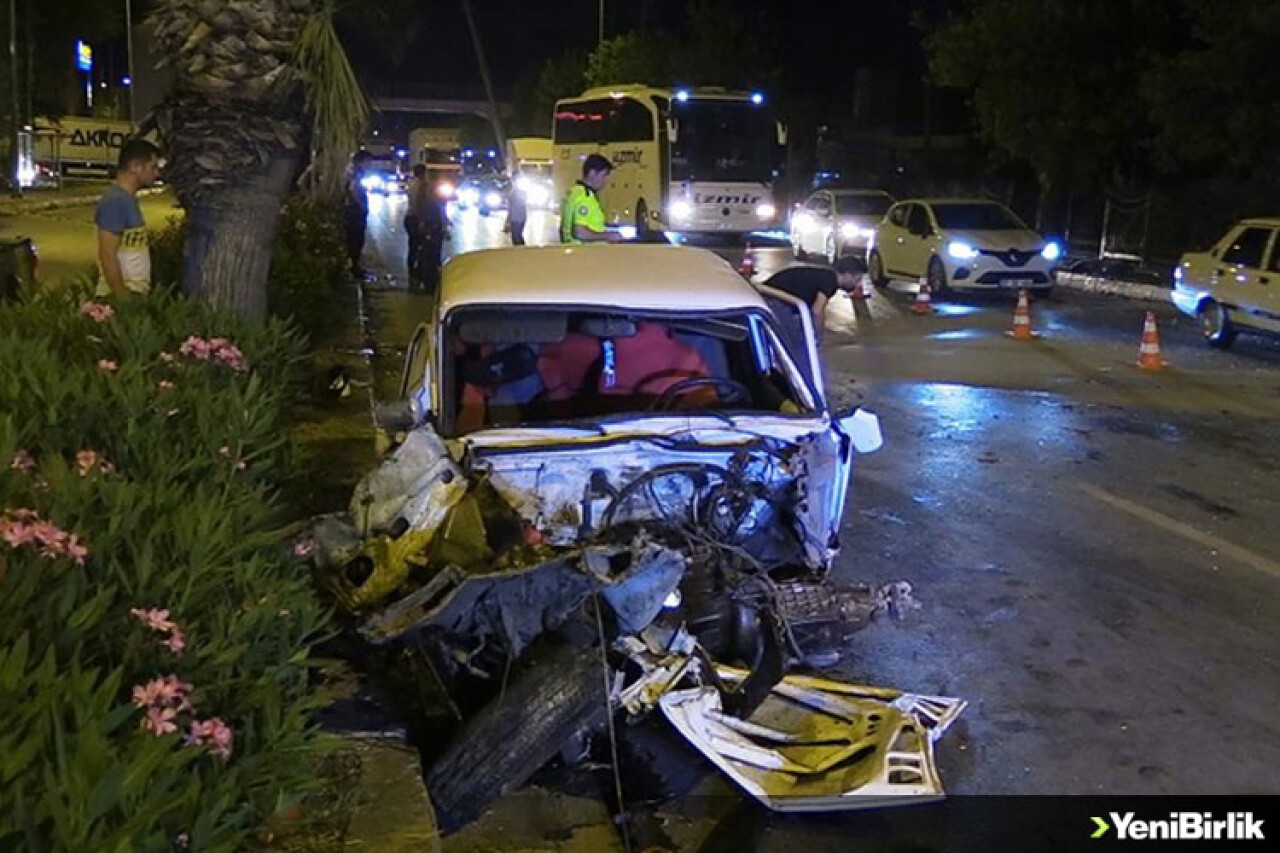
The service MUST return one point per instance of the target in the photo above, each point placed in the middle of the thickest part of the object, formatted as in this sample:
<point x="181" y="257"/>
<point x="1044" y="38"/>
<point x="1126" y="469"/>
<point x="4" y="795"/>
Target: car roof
<point x="952" y="200"/>
<point x="1264" y="221"/>
<point x="844" y="191"/>
<point x="640" y="277"/>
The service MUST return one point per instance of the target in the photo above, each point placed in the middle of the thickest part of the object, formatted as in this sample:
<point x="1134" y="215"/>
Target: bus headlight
<point x="681" y="211"/>
<point x="766" y="211"/>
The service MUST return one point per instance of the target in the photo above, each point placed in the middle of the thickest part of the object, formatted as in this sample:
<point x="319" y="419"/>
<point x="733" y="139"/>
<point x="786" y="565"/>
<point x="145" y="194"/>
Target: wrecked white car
<point x="621" y="460"/>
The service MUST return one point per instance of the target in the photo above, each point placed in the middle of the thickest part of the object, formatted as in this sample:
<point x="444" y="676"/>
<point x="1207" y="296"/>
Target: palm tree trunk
<point x="229" y="236"/>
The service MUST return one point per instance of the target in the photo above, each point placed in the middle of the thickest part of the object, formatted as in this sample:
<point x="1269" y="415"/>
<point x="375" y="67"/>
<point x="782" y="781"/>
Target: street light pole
<point x="600" y="39"/>
<point x="13" y="77"/>
<point x="128" y="40"/>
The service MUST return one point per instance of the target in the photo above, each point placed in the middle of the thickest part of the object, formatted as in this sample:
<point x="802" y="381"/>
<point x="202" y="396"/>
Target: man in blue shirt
<point x="124" y="250"/>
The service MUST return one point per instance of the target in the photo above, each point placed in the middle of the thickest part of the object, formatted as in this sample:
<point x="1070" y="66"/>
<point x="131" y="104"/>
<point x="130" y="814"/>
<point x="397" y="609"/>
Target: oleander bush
<point x="155" y="623"/>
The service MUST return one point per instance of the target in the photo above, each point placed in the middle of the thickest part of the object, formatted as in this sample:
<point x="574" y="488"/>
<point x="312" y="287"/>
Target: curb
<point x="17" y="207"/>
<point x="1113" y="287"/>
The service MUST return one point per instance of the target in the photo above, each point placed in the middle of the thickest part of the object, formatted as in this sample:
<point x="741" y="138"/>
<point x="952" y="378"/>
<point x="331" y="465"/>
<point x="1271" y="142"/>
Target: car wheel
<point x="937" y="276"/>
<point x="1215" y="325"/>
<point x="875" y="269"/>
<point x="830" y="249"/>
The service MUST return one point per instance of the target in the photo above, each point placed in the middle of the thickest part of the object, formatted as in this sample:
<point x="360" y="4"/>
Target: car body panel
<point x="1243" y="278"/>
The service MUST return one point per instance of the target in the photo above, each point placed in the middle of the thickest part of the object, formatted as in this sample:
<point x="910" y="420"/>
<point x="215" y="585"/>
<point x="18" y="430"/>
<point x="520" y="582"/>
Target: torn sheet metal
<point x="817" y="745"/>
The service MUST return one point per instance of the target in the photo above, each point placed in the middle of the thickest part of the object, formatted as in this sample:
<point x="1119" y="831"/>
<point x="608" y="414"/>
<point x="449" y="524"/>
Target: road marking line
<point x="1242" y="555"/>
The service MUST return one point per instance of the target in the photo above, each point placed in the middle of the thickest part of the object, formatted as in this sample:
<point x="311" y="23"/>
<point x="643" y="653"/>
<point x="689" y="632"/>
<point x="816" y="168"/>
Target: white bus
<point x="687" y="160"/>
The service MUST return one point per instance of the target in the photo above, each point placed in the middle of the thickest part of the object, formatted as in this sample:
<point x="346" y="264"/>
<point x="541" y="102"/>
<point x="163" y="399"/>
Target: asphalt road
<point x="1095" y="547"/>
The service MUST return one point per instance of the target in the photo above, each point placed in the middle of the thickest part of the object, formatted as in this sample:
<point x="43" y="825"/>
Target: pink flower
<point x="169" y="691"/>
<point x="159" y="721"/>
<point x="75" y="551"/>
<point x="86" y="461"/>
<point x="195" y="347"/>
<point x="213" y="733"/>
<point x="22" y="461"/>
<point x="303" y="547"/>
<point x="107" y="365"/>
<point x="16" y="533"/>
<point x="176" y="643"/>
<point x="155" y="619"/>
<point x="164" y="384"/>
<point x="98" y="311"/>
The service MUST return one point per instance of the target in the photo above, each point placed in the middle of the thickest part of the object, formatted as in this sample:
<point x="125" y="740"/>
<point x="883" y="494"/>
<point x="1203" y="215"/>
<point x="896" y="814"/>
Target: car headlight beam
<point x="1051" y="251"/>
<point x="961" y="250"/>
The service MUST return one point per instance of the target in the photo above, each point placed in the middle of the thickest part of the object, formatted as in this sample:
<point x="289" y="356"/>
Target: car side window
<point x="919" y="222"/>
<point x="898" y="216"/>
<point x="1247" y="248"/>
<point x="822" y="205"/>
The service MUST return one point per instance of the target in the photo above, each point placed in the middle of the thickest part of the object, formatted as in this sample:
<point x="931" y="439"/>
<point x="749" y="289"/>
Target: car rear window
<point x="970" y="216"/>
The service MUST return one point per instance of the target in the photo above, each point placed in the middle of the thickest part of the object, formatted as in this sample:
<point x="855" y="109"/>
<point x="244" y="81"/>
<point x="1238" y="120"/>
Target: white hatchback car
<point x="1234" y="285"/>
<point x="967" y="244"/>
<point x="834" y="223"/>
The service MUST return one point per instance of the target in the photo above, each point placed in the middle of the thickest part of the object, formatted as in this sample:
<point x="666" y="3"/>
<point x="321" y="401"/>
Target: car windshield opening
<point x="524" y="368"/>
<point x="862" y="205"/>
<point x="966" y="216"/>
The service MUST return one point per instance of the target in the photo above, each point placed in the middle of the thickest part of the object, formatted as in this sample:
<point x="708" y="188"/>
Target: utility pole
<point x="494" y="116"/>
<point x="600" y="38"/>
<point x="16" y="123"/>
<point x="128" y="41"/>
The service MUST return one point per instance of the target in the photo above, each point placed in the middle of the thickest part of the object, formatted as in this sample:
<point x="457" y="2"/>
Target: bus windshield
<point x="722" y="141"/>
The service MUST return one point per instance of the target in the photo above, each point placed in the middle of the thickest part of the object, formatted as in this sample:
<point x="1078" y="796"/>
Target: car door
<point x="891" y="239"/>
<point x="1269" y="288"/>
<point x="1240" y="282"/>
<point x="830" y="454"/>
<point x="918" y="243"/>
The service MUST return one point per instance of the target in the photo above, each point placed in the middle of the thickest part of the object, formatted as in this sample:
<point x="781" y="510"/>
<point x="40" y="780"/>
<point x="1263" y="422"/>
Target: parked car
<point x="1235" y="285"/>
<point x="961" y="243"/>
<point x="833" y="223"/>
<point x="622" y="457"/>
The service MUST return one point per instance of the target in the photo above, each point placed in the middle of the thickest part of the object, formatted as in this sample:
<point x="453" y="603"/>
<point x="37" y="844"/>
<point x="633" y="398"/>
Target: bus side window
<point x="630" y="121"/>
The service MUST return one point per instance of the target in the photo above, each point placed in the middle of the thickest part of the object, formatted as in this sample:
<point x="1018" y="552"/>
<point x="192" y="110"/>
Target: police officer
<point x="582" y="217"/>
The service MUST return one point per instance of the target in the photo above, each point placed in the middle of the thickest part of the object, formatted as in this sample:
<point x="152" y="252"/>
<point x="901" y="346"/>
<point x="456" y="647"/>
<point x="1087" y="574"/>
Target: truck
<point x="529" y="162"/>
<point x="79" y="145"/>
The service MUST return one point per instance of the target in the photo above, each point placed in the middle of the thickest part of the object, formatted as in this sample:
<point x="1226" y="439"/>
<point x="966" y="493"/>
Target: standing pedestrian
<point x="355" y="210"/>
<point x="517" y="210"/>
<point x="582" y="218"/>
<point x="434" y="222"/>
<point x="420" y="195"/>
<point x="124" y="250"/>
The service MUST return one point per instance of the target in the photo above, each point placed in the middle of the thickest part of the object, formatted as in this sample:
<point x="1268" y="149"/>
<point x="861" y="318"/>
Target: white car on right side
<point x="960" y="243"/>
<point x="1230" y="287"/>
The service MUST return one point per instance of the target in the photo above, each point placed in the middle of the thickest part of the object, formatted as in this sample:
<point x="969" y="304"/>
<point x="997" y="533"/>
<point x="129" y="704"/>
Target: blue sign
<point x="84" y="56"/>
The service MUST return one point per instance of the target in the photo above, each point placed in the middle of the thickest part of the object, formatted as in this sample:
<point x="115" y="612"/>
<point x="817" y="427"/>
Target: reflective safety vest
<point x="581" y="207"/>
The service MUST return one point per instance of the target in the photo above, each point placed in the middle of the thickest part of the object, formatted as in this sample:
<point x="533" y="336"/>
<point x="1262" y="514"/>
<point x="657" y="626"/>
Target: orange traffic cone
<point x="924" y="299"/>
<point x="748" y="266"/>
<point x="1149" y="352"/>
<point x="1021" y="330"/>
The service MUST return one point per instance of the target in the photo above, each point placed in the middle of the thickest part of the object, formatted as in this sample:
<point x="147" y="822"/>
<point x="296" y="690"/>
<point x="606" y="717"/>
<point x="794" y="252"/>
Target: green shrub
<point x="140" y="457"/>
<point x="308" y="264"/>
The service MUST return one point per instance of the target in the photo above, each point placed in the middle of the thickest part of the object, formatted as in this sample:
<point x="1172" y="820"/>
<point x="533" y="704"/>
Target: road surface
<point x="1095" y="547"/>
